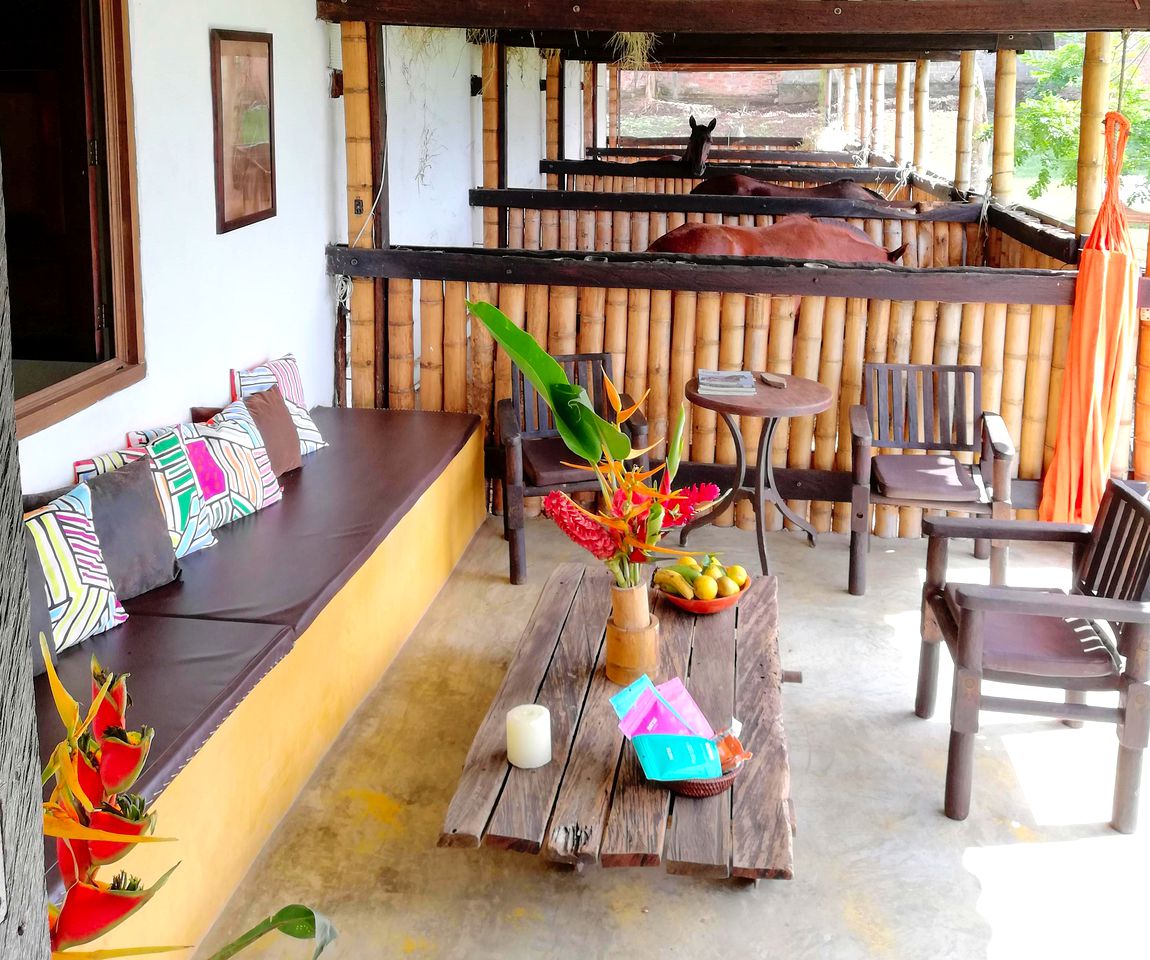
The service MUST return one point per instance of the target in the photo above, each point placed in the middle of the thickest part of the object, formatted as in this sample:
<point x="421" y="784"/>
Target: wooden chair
<point x="533" y="451"/>
<point x="926" y="408"/>
<point x="1047" y="638"/>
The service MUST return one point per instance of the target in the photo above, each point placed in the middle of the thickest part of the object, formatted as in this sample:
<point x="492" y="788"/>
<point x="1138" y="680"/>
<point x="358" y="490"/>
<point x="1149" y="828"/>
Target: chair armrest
<point x="860" y="424"/>
<point x="984" y="528"/>
<point x="1064" y="606"/>
<point x="507" y="423"/>
<point x="995" y="432"/>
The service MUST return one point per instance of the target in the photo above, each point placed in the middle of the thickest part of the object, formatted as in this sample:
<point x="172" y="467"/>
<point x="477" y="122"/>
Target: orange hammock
<point x="1100" y="352"/>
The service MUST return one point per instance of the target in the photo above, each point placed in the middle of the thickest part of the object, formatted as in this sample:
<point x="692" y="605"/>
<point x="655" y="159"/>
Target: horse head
<point x="699" y="145"/>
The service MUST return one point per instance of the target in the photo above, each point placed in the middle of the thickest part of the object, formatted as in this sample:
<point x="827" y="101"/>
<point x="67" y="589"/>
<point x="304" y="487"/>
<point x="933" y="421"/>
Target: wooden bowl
<point x="706" y="606"/>
<point x="704" y="788"/>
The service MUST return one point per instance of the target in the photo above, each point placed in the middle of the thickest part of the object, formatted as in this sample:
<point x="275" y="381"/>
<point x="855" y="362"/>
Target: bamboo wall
<point x="683" y="185"/>
<point x="659" y="338"/>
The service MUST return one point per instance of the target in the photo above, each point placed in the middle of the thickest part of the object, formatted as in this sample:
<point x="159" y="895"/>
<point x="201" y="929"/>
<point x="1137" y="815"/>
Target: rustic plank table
<point x="592" y="804"/>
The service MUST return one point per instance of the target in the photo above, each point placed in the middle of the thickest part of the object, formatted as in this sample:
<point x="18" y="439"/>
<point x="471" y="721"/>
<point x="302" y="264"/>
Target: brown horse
<point x="737" y="185"/>
<point x="694" y="158"/>
<point x="798" y="237"/>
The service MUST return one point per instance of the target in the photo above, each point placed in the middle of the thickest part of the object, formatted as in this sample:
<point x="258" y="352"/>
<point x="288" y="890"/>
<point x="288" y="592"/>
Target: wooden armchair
<point x="1047" y="638"/>
<point x="929" y="409"/>
<point x="533" y="451"/>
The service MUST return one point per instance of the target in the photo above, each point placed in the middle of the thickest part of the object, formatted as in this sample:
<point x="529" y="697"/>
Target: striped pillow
<point x="81" y="598"/>
<point x="86" y="470"/>
<point x="235" y="474"/>
<point x="141" y="438"/>
<point x="181" y="498"/>
<point x="310" y="439"/>
<point x="284" y="372"/>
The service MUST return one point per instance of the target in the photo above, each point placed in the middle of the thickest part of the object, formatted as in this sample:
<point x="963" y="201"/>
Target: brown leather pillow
<point x="204" y="414"/>
<point x="275" y="425"/>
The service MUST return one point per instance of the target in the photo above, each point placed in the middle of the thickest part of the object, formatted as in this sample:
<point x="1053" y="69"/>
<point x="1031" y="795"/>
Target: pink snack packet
<point x="684" y="705"/>
<point x="651" y="715"/>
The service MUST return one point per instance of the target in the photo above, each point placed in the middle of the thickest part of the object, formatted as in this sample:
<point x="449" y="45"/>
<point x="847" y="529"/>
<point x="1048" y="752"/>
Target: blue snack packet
<point x="671" y="757"/>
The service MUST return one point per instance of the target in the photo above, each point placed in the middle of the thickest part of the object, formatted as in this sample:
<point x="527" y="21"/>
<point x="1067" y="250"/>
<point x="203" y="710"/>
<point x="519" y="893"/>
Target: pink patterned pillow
<point x="283" y="372"/>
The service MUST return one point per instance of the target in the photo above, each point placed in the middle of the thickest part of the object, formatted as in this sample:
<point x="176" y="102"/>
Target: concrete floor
<point x="879" y="871"/>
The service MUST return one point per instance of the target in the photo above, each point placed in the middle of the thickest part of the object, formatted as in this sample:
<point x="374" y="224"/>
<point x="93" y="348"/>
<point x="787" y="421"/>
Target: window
<point x="68" y="162"/>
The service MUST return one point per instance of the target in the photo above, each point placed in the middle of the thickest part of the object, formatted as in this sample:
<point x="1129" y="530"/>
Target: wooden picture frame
<point x="243" y="116"/>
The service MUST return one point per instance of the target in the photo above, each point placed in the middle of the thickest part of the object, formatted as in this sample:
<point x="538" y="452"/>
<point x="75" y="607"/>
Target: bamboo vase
<point x="632" y="636"/>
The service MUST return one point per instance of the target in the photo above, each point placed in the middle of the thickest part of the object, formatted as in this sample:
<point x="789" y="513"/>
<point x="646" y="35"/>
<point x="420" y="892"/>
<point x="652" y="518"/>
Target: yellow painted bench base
<point x="225" y="804"/>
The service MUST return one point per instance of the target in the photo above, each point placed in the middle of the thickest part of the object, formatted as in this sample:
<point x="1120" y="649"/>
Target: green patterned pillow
<point x="81" y="598"/>
<point x="181" y="499"/>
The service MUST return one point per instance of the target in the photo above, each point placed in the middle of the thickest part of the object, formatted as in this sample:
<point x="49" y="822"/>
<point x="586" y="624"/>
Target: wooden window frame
<point x="61" y="400"/>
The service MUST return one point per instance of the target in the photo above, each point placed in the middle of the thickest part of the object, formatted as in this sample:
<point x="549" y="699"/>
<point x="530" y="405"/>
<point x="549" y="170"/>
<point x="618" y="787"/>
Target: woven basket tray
<point x="704" y="788"/>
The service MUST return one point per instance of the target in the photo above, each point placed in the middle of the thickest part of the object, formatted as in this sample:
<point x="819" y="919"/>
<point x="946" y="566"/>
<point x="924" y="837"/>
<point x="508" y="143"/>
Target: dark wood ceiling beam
<point x="735" y="16"/>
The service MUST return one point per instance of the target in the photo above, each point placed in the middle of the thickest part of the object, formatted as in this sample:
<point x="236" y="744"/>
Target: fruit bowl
<point x="705" y="606"/>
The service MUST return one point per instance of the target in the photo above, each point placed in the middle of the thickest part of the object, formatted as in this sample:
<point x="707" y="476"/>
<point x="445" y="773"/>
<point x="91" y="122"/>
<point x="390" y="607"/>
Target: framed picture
<point x="242" y="109"/>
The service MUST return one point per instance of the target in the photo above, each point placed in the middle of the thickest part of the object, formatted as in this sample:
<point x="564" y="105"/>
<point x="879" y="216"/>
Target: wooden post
<point x="492" y="76"/>
<point x="613" y="105"/>
<point x="455" y="347"/>
<point x="553" y="84"/>
<point x="851" y="99"/>
<point x="1091" y="136"/>
<point x="588" y="107"/>
<point x="878" y="108"/>
<point x="400" y="345"/>
<point x="864" y="128"/>
<point x="902" y="142"/>
<point x="1005" y="93"/>
<point x="360" y="182"/>
<point x="431" y="345"/>
<point x="921" y="113"/>
<point x="964" y="143"/>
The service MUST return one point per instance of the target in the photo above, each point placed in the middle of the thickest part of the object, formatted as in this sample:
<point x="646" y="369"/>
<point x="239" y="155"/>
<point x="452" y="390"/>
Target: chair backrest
<point x="1116" y="561"/>
<point x="584" y="369"/>
<point x="916" y="406"/>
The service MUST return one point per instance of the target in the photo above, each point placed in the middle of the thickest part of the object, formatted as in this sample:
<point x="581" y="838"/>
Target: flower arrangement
<point x="96" y="820"/>
<point x="635" y="513"/>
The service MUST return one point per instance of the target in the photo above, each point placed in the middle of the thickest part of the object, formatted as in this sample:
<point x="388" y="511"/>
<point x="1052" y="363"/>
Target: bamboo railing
<point x="663" y="321"/>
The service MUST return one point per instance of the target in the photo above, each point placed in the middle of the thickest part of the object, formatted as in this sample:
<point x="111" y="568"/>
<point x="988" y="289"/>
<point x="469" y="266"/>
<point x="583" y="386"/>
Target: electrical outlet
<point x="358" y="206"/>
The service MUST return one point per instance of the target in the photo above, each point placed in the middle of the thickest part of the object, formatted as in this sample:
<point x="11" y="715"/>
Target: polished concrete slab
<point x="880" y="872"/>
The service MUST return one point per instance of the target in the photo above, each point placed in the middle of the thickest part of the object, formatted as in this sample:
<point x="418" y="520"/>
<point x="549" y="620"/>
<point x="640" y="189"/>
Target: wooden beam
<point x="1091" y="136"/>
<point x="964" y="139"/>
<point x="360" y="179"/>
<point x="733" y="16"/>
<point x="921" y="113"/>
<point x="1005" y="95"/>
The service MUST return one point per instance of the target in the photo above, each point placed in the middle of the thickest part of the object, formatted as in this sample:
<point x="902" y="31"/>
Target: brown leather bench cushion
<point x="923" y="478"/>
<point x="283" y="564"/>
<point x="187" y="677"/>
<point x="1039" y="646"/>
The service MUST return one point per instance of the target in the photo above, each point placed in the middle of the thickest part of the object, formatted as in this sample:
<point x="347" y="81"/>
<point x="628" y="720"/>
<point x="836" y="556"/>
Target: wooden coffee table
<point x="592" y="804"/>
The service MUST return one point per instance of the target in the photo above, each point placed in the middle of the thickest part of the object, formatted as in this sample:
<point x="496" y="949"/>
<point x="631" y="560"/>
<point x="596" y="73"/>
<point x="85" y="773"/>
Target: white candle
<point x="529" y="736"/>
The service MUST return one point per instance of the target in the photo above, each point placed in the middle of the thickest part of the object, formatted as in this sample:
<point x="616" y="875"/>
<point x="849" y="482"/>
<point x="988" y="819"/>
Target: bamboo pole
<point x="430" y="344"/>
<point x="658" y="371"/>
<point x="878" y="108"/>
<point x="780" y="359"/>
<point x="855" y="338"/>
<point x="455" y="347"/>
<point x="840" y="98"/>
<point x="898" y="345"/>
<point x="993" y="349"/>
<point x="615" y="331"/>
<point x="732" y="335"/>
<point x="592" y="313"/>
<point x="812" y="316"/>
<point x="360" y="188"/>
<point x="864" y="127"/>
<point x="491" y="74"/>
<point x="1091" y="134"/>
<point x="613" y="105"/>
<point x="754" y="359"/>
<point x="964" y="145"/>
<point x="536" y="323"/>
<point x="827" y="422"/>
<point x="400" y="345"/>
<point x="562" y="309"/>
<point x="684" y="308"/>
<point x="480" y="392"/>
<point x="553" y="93"/>
<point x="921" y="113"/>
<point x="1014" y="357"/>
<point x="850" y="99"/>
<point x="1005" y="95"/>
<point x="1062" y="320"/>
<point x="1035" y="407"/>
<point x="638" y="332"/>
<point x="922" y="341"/>
<point x="588" y="107"/>
<point x="706" y="358"/>
<point x="902" y="140"/>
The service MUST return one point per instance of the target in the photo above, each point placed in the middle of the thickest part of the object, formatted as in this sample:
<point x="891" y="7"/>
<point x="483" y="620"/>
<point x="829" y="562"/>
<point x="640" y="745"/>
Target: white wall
<point x="431" y="139"/>
<point x="526" y="118"/>
<point x="213" y="302"/>
<point x="601" y="104"/>
<point x="573" y="111"/>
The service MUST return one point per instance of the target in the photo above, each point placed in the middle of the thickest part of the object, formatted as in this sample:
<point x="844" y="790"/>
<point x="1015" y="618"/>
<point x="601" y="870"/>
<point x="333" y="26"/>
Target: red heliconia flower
<point x="683" y="503"/>
<point x="87" y="762"/>
<point x="92" y="909"/>
<point x="128" y="817"/>
<point x="578" y="526"/>
<point x="113" y="708"/>
<point x="75" y="861"/>
<point x="122" y="756"/>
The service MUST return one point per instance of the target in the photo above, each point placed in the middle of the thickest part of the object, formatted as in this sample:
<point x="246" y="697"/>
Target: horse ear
<point x="693" y="124"/>
<point x="711" y="125"/>
<point x="895" y="255"/>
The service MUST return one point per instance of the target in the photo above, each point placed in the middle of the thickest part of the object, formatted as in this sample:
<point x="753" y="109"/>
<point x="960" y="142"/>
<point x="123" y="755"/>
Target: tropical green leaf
<point x="675" y="444"/>
<point x="294" y="920"/>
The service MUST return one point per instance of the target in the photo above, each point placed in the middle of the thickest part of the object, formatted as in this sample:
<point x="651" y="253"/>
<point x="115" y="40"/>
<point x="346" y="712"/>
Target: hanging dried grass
<point x="481" y="37"/>
<point x="632" y="51"/>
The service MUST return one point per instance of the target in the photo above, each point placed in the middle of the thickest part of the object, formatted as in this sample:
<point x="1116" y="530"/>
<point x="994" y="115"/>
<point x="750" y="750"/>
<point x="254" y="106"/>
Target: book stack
<point x="726" y="383"/>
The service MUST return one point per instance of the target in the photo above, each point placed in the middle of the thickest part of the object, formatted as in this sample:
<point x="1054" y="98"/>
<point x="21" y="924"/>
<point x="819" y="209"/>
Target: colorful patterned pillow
<point x="310" y="439"/>
<point x="181" y="497"/>
<point x="86" y="470"/>
<point x="284" y="372"/>
<point x="81" y="599"/>
<point x="234" y="471"/>
<point x="141" y="438"/>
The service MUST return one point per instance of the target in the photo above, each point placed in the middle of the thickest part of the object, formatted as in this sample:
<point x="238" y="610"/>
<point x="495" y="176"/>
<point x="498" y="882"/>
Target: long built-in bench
<point x="249" y="665"/>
